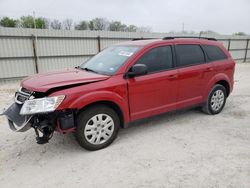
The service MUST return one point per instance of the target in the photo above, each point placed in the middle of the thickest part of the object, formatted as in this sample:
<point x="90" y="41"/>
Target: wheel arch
<point x="226" y="85"/>
<point x="111" y="105"/>
<point x="111" y="99"/>
<point x="221" y="79"/>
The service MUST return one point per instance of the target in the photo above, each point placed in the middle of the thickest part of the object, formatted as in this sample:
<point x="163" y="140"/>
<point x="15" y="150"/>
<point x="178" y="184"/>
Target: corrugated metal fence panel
<point x="238" y="44"/>
<point x="58" y="49"/>
<point x="109" y="42"/>
<point x="225" y="43"/>
<point x="239" y="54"/>
<point x="15" y="47"/>
<point x="248" y="53"/>
<point x="16" y="67"/>
<point x="49" y="64"/>
<point x="66" y="47"/>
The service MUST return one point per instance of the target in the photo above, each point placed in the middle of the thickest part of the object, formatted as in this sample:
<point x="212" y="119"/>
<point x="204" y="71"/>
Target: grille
<point x="24" y="90"/>
<point x="22" y="95"/>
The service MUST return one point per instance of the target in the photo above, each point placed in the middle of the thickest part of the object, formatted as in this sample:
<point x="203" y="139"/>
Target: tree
<point x="131" y="28"/>
<point x="144" y="29"/>
<point x="8" y="22"/>
<point x="83" y="25"/>
<point x="42" y="23"/>
<point x="117" y="26"/>
<point x="208" y="32"/>
<point x="91" y="25"/>
<point x="56" y="24"/>
<point x="98" y="24"/>
<point x="28" y="22"/>
<point x="240" y="33"/>
<point x="67" y="24"/>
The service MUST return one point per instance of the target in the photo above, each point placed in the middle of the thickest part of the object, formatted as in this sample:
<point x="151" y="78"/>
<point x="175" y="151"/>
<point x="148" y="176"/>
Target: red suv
<point x="121" y="84"/>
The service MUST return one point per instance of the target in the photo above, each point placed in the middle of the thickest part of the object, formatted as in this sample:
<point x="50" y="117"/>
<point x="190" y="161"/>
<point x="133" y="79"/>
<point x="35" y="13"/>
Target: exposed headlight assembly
<point x="41" y="105"/>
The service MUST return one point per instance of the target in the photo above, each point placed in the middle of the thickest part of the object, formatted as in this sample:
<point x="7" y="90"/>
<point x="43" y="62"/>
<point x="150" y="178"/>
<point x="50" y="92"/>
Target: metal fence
<point x="25" y="52"/>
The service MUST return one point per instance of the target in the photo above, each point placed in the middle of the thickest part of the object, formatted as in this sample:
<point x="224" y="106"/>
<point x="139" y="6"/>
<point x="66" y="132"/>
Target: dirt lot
<point x="182" y="149"/>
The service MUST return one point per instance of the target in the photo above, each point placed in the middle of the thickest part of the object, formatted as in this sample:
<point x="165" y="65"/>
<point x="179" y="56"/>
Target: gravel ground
<point x="181" y="149"/>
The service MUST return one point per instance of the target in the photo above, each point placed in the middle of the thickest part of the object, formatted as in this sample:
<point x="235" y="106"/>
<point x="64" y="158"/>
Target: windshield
<point x="109" y="60"/>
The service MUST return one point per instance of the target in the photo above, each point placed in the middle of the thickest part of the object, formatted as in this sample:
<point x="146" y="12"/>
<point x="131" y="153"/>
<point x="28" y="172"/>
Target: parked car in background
<point x="123" y="83"/>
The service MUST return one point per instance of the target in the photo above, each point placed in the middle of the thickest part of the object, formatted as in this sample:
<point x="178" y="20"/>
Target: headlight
<point x="42" y="105"/>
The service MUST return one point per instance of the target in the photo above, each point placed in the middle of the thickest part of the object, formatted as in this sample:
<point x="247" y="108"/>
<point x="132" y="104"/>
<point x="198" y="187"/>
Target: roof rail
<point x="174" y="37"/>
<point x="142" y="39"/>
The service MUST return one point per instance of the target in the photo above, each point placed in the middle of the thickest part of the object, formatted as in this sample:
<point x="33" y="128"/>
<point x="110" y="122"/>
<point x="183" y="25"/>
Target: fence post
<point x="245" y="58"/>
<point x="99" y="43"/>
<point x="34" y="52"/>
<point x="229" y="44"/>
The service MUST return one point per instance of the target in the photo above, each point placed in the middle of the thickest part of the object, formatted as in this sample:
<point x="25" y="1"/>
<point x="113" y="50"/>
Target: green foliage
<point x="41" y="23"/>
<point x="240" y="34"/>
<point x="96" y="24"/>
<point x="117" y="26"/>
<point x="91" y="25"/>
<point x="132" y="28"/>
<point x="28" y="22"/>
<point x="83" y="25"/>
<point x="8" y="22"/>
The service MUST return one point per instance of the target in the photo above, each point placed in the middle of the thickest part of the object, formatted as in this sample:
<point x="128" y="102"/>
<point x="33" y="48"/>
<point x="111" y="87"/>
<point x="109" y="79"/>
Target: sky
<point x="222" y="16"/>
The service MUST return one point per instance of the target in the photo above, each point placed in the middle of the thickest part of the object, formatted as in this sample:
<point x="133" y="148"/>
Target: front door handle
<point x="209" y="69"/>
<point x="172" y="76"/>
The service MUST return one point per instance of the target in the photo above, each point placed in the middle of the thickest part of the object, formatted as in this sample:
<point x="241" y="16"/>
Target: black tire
<point x="207" y="107"/>
<point x="83" y="120"/>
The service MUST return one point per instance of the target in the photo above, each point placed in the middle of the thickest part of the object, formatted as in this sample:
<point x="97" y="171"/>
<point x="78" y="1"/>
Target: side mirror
<point x="136" y="70"/>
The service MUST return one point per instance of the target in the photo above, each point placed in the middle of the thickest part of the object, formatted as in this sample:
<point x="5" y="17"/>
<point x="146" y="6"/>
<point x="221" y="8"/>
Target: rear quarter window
<point x="214" y="53"/>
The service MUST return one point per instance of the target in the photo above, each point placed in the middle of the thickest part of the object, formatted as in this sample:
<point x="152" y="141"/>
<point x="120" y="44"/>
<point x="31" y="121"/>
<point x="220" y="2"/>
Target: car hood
<point x="45" y="81"/>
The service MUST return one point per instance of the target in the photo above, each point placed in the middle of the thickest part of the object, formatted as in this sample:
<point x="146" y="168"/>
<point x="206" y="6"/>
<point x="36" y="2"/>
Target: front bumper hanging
<point x="16" y="121"/>
<point x="43" y="124"/>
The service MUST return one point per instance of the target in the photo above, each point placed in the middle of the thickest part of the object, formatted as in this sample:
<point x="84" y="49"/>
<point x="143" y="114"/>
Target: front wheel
<point x="216" y="100"/>
<point x="97" y="127"/>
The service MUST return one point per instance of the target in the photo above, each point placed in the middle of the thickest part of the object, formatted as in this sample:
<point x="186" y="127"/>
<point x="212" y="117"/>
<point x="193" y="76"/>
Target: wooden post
<point x="34" y="52"/>
<point x="229" y="44"/>
<point x="99" y="43"/>
<point x="245" y="58"/>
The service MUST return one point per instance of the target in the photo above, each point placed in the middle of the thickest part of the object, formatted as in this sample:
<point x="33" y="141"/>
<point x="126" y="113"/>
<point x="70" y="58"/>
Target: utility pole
<point x="183" y="27"/>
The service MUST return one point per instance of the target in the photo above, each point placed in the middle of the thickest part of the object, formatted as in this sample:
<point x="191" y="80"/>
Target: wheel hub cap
<point x="99" y="129"/>
<point x="217" y="100"/>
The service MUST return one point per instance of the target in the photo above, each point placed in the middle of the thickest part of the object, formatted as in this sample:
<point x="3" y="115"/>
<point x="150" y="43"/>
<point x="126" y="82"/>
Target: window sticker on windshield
<point x="124" y="53"/>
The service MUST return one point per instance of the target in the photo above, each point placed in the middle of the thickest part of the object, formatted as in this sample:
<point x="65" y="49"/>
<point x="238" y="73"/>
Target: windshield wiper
<point x="89" y="70"/>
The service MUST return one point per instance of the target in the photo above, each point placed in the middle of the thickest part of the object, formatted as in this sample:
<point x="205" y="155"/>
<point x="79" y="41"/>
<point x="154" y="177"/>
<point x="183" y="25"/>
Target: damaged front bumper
<point x="43" y="124"/>
<point x="16" y="121"/>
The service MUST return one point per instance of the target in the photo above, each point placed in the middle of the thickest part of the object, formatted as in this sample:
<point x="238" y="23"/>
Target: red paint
<point x="141" y="96"/>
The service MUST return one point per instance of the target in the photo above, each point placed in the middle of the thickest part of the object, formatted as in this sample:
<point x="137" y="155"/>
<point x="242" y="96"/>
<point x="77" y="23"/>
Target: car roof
<point x="147" y="42"/>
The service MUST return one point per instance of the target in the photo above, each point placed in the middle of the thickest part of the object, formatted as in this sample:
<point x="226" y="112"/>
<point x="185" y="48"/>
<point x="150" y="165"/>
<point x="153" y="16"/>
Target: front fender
<point x="89" y="98"/>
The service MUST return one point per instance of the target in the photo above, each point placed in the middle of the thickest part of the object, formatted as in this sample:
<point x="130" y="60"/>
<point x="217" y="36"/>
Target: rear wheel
<point x="97" y="127"/>
<point x="216" y="100"/>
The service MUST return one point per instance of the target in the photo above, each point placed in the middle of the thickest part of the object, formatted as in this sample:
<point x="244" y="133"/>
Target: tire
<point x="216" y="100"/>
<point x="97" y="127"/>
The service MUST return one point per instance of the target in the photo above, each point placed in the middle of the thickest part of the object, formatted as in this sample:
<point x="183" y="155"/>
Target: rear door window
<point x="214" y="53"/>
<point x="189" y="55"/>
